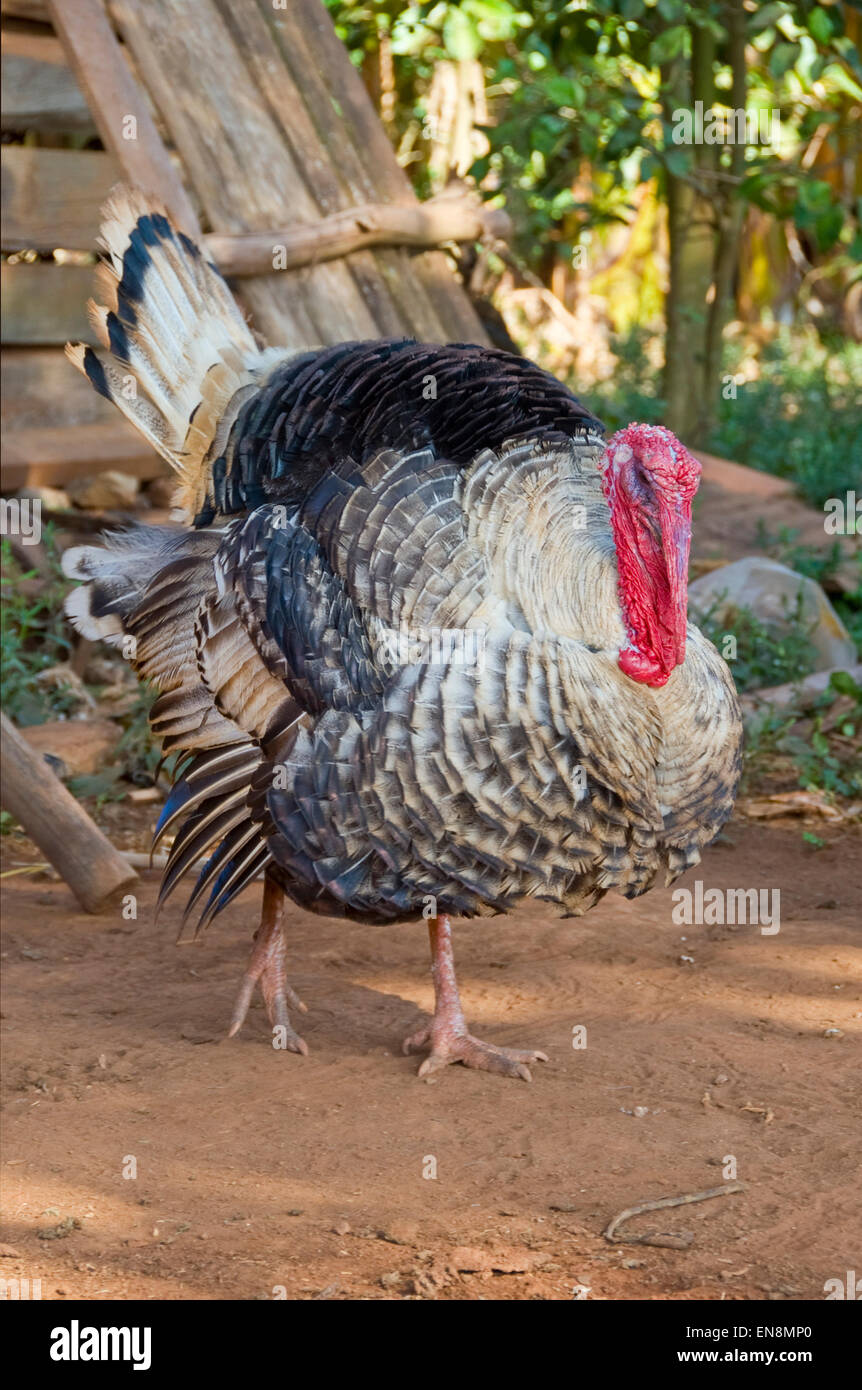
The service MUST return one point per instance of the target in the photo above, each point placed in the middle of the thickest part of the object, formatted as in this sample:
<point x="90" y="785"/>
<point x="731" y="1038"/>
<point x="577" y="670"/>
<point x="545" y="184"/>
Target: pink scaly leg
<point x="447" y="1035"/>
<point x="267" y="967"/>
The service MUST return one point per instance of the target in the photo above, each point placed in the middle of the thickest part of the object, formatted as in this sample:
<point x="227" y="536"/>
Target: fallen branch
<point x="421" y="225"/>
<point x="65" y="834"/>
<point x="674" y="1241"/>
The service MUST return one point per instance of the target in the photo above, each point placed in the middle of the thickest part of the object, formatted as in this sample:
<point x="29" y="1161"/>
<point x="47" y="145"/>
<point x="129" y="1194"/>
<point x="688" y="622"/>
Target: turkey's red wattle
<point x="649" y="480"/>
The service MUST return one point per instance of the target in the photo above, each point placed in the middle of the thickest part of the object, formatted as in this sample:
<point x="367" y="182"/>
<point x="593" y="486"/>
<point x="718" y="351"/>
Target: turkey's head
<point x="649" y="481"/>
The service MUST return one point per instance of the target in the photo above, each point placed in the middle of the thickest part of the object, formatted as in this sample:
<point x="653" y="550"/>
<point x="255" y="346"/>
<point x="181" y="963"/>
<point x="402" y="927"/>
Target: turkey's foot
<point x="267" y="967"/>
<point x="446" y="1035"/>
<point x="448" y="1046"/>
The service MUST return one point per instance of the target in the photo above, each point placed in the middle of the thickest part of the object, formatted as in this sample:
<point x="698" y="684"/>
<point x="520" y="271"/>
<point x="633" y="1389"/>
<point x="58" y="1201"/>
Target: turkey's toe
<point x="472" y="1052"/>
<point x="277" y="994"/>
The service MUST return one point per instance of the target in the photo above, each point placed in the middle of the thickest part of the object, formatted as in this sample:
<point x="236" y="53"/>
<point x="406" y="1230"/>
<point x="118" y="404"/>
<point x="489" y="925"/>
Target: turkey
<point x="420" y="644"/>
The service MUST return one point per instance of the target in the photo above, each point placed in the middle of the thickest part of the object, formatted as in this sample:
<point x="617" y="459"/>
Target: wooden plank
<point x="361" y="126"/>
<point x="120" y="106"/>
<point x="332" y="161"/>
<point x="96" y="872"/>
<point x="40" y="387"/>
<point x="332" y="187"/>
<point x="25" y="9"/>
<point x="39" y="91"/>
<point x="51" y="198"/>
<point x="45" y="303"/>
<point x="54" y="456"/>
<point x="238" y="162"/>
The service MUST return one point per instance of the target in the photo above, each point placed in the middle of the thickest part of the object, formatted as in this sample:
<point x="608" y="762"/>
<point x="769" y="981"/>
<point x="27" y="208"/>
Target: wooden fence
<point x="249" y="122"/>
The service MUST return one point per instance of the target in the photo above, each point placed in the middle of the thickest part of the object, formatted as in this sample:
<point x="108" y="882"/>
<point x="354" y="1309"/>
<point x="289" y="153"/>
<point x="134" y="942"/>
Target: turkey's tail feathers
<point x="178" y="349"/>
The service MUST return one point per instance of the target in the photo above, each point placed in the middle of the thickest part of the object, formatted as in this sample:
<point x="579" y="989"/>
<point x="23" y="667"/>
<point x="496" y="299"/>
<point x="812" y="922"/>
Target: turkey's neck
<point x="653" y="589"/>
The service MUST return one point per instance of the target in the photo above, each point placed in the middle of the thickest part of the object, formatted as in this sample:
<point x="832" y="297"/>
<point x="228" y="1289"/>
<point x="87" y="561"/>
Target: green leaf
<point x="843" y="682"/>
<point x="783" y="57"/>
<point x="820" y="25"/>
<point x="668" y="45"/>
<point x="765" y="16"/>
<point x="461" y="38"/>
<point x="678" y="162"/>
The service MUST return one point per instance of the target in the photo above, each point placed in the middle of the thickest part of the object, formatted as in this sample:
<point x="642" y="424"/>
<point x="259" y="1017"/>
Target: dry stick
<point x="669" y="1240"/>
<point x="65" y="834"/>
<point x="419" y="225"/>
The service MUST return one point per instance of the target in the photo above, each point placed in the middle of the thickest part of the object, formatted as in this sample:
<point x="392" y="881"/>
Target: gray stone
<point x="770" y="591"/>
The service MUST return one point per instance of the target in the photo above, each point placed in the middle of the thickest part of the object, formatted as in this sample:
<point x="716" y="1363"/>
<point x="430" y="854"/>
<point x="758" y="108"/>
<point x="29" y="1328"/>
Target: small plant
<point x="33" y="637"/>
<point x="821" y="747"/>
<point x="765" y="654"/>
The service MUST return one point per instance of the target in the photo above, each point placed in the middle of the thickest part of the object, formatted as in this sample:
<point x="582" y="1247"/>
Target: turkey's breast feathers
<point x="392" y="655"/>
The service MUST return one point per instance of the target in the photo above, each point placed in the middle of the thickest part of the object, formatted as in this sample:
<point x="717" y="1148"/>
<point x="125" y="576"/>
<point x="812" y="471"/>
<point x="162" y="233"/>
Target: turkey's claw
<point x="446" y="1035"/>
<point x="448" y="1047"/>
<point x="267" y="967"/>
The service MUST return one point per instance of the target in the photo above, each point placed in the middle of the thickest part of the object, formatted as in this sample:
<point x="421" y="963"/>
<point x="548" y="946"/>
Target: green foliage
<point x="32" y="638"/>
<point x="824" y="749"/>
<point x="801" y="418"/>
<point x="578" y="91"/>
<point x="630" y="395"/>
<point x="766" y="654"/>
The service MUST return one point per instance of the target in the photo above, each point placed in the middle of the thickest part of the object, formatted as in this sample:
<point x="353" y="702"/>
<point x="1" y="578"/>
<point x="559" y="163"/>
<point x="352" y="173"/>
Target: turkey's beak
<point x="675" y="522"/>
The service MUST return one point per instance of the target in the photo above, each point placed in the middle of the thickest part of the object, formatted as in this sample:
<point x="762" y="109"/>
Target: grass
<point x="820" y="747"/>
<point x="800" y="417"/>
<point x="33" y="637"/>
<point x="760" y="654"/>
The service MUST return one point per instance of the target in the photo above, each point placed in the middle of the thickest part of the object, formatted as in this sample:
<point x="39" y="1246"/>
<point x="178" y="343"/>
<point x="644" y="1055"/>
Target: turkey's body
<point x="389" y="648"/>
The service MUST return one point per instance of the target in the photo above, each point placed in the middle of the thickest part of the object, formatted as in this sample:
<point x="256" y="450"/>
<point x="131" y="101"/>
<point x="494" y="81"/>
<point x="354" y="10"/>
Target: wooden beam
<point x="40" y="387"/>
<point x="39" y="91"/>
<point x="312" y="49"/>
<point x="51" y="198"/>
<point x="119" y="106"/>
<point x="97" y="874"/>
<point x="418" y="225"/>
<point x="55" y="456"/>
<point x="45" y="303"/>
<point x="238" y="161"/>
<point x="25" y="9"/>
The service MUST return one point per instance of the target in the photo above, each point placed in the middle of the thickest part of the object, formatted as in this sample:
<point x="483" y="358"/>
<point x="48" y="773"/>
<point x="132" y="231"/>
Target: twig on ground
<point x="674" y="1241"/>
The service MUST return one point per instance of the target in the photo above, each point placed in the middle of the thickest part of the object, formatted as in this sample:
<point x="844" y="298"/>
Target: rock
<point x="770" y="591"/>
<point x="160" y="492"/>
<point x="800" y="694"/>
<point x="53" y="499"/>
<point x="104" y="491"/>
<point x="81" y="747"/>
<point x="504" y="1260"/>
<point x="399" y="1233"/>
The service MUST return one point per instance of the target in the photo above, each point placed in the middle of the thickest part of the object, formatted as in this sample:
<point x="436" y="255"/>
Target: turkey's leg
<point x="267" y="967"/>
<point x="447" y="1035"/>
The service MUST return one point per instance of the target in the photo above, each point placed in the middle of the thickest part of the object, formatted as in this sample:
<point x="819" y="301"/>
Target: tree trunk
<point x="731" y="217"/>
<point x="691" y="233"/>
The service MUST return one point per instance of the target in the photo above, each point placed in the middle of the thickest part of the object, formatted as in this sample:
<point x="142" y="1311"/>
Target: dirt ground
<point x="341" y="1175"/>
